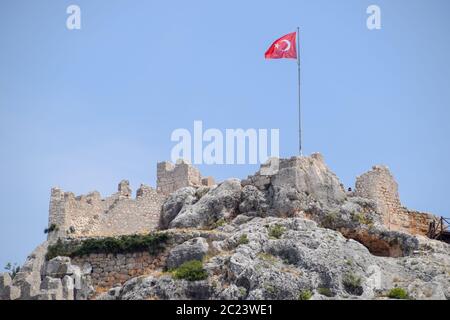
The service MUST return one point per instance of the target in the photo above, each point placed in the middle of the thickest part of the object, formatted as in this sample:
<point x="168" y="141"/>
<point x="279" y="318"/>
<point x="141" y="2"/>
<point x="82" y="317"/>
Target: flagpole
<point x="299" y="100"/>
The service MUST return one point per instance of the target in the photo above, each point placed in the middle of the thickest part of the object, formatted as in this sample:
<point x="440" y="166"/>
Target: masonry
<point x="379" y="185"/>
<point x="111" y="269"/>
<point x="91" y="215"/>
<point x="171" y="177"/>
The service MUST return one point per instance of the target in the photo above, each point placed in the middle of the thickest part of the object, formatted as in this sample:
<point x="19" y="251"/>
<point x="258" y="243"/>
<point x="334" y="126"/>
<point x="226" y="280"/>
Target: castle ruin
<point x="379" y="185"/>
<point x="91" y="215"/>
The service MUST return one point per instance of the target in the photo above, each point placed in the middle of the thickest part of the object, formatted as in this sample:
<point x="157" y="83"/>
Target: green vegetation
<point x="153" y="243"/>
<point x="362" y="219"/>
<point x="52" y="228"/>
<point x="305" y="295"/>
<point x="330" y="219"/>
<point x="12" y="269"/>
<point x="219" y="223"/>
<point x="267" y="257"/>
<point x="191" y="271"/>
<point x="325" y="291"/>
<point x="352" y="284"/>
<point x="398" y="293"/>
<point x="276" y="231"/>
<point x="243" y="239"/>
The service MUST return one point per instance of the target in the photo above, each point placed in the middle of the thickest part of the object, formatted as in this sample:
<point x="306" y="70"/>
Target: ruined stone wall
<point x="111" y="269"/>
<point x="171" y="177"/>
<point x="379" y="185"/>
<point x="90" y="215"/>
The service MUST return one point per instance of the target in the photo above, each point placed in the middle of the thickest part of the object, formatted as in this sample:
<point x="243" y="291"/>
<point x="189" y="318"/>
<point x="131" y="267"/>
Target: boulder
<point x="194" y="249"/>
<point x="220" y="203"/>
<point x="52" y="286"/>
<point x="174" y="203"/>
<point x="58" y="267"/>
<point x="254" y="202"/>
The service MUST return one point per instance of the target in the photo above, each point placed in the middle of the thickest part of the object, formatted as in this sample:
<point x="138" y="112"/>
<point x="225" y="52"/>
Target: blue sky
<point x="84" y="109"/>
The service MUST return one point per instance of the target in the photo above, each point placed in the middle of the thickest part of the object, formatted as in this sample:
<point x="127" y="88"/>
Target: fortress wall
<point x="111" y="269"/>
<point x="379" y="185"/>
<point x="171" y="177"/>
<point x="90" y="215"/>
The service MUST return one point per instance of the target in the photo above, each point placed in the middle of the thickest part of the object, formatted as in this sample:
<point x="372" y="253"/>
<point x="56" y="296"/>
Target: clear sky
<point x="84" y="109"/>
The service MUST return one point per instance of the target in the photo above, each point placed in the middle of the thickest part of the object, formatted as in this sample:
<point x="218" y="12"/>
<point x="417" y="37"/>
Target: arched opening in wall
<point x="375" y="245"/>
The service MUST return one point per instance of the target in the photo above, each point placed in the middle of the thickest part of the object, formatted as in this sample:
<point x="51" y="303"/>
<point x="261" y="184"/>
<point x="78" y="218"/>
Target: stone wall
<point x="171" y="177"/>
<point x="379" y="185"/>
<point x="90" y="215"/>
<point x="111" y="269"/>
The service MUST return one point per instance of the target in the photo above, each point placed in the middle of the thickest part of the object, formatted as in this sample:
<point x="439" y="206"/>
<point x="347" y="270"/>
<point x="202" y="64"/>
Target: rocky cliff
<point x="290" y="231"/>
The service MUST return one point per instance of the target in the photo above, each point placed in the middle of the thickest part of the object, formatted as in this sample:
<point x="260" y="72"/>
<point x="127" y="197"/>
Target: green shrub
<point x="243" y="239"/>
<point x="330" y="219"/>
<point x="352" y="284"/>
<point x="152" y="243"/>
<point x="325" y="291"/>
<point x="362" y="218"/>
<point x="219" y="223"/>
<point x="305" y="295"/>
<point x="276" y="231"/>
<point x="50" y="229"/>
<point x="191" y="271"/>
<point x="398" y="293"/>
<point x="12" y="269"/>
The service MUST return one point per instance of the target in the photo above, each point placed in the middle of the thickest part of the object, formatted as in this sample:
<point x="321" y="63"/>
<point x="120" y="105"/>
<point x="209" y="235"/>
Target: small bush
<point x="219" y="223"/>
<point x="305" y="295"/>
<point x="50" y="229"/>
<point x="12" y="269"/>
<point x="325" y="292"/>
<point x="152" y="243"/>
<point x="191" y="271"/>
<point x="398" y="293"/>
<point x="243" y="239"/>
<point x="330" y="219"/>
<point x="276" y="231"/>
<point x="362" y="218"/>
<point x="352" y="284"/>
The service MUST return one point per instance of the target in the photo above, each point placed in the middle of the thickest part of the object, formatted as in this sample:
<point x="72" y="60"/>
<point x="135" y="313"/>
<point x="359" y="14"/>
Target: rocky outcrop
<point x="302" y="257"/>
<point x="218" y="203"/>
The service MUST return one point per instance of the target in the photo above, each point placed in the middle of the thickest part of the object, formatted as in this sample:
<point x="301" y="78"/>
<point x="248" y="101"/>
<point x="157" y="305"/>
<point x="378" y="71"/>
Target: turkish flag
<point x="285" y="47"/>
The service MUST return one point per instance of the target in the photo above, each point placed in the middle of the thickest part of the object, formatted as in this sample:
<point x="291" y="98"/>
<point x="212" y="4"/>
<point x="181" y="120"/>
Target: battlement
<point x="91" y="215"/>
<point x="171" y="177"/>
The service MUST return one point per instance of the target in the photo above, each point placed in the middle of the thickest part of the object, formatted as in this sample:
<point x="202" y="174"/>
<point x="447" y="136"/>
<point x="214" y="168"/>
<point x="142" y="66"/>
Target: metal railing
<point x="436" y="231"/>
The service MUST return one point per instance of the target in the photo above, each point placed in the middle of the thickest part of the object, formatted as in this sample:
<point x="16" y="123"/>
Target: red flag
<point x="285" y="47"/>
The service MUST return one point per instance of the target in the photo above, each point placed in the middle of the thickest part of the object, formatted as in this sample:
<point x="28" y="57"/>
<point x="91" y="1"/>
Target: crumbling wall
<point x="171" y="177"/>
<point x="379" y="185"/>
<point x="90" y="215"/>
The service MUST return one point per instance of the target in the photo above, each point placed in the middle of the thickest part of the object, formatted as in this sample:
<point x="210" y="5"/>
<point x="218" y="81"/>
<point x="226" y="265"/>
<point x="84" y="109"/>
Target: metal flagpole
<point x="299" y="100"/>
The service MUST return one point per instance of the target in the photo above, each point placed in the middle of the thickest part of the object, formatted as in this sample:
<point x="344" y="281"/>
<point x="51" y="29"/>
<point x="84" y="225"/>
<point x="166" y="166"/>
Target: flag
<point x="285" y="47"/>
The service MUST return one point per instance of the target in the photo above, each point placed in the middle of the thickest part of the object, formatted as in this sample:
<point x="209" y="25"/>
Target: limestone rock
<point x="53" y="286"/>
<point x="174" y="203"/>
<point x="254" y="202"/>
<point x="302" y="257"/>
<point x="68" y="288"/>
<point x="194" y="249"/>
<point x="58" y="267"/>
<point x="219" y="203"/>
